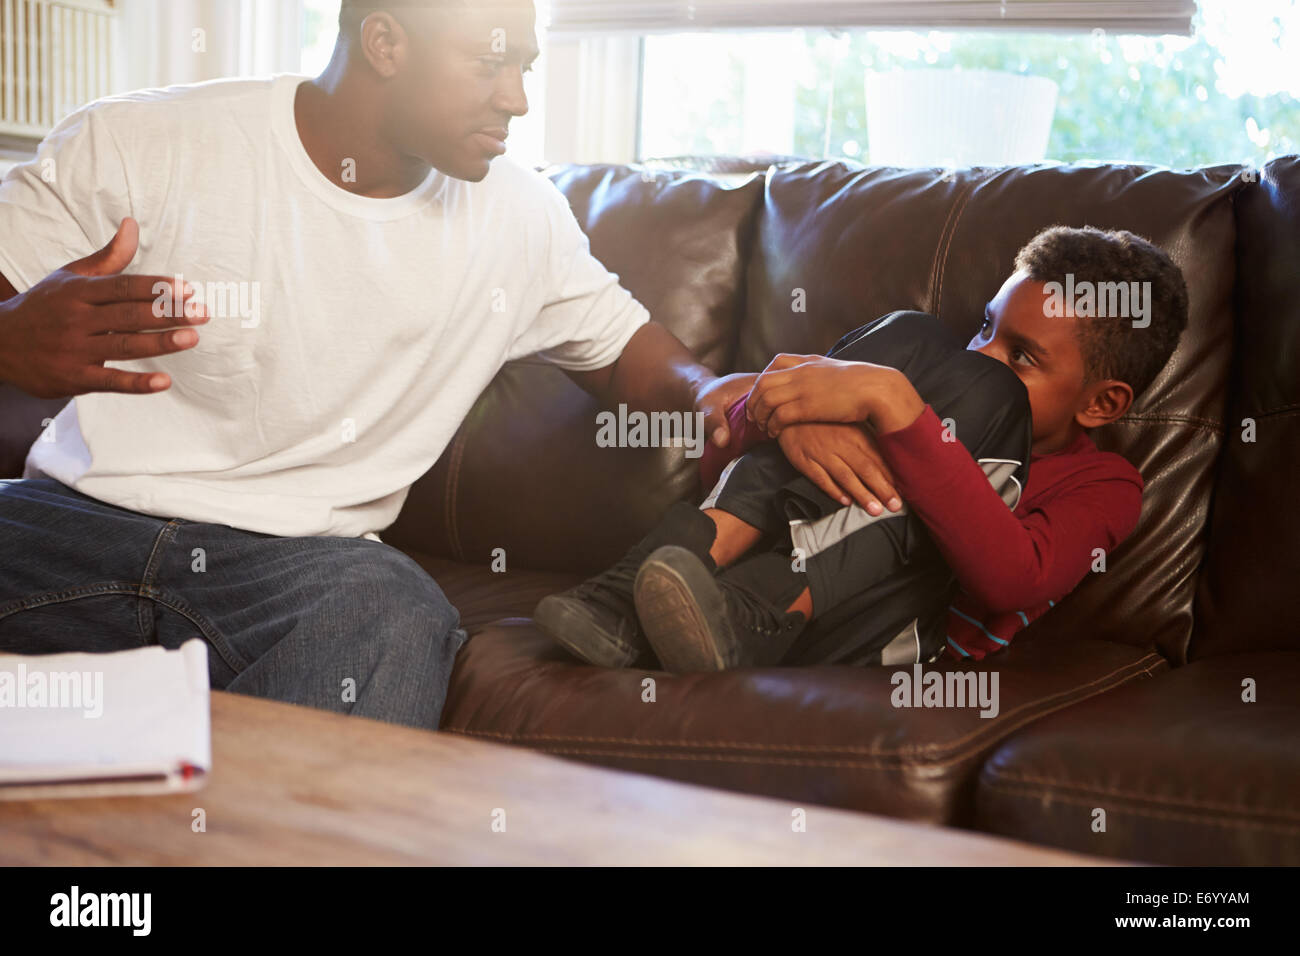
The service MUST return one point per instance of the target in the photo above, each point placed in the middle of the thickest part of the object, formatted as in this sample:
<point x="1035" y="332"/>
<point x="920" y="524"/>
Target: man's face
<point x="1043" y="350"/>
<point x="461" y="83"/>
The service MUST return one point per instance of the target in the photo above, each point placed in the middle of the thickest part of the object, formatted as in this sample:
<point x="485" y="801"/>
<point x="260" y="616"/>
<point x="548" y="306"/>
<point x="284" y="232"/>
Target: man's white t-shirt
<point x="349" y="336"/>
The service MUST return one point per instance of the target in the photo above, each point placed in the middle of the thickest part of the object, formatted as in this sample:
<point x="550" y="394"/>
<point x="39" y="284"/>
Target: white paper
<point x="101" y="717"/>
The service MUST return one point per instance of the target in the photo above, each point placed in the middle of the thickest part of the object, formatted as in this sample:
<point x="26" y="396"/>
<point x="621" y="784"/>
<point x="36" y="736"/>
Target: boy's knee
<point x="1000" y="383"/>
<point x="905" y="340"/>
<point x="994" y="413"/>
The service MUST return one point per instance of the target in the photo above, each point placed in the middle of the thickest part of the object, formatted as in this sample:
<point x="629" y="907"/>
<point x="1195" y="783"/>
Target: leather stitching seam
<point x="950" y="229"/>
<point x="1156" y="814"/>
<point x="997" y="777"/>
<point x="1001" y="729"/>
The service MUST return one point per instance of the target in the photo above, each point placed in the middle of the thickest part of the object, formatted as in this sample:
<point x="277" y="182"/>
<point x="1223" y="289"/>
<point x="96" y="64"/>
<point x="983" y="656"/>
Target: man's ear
<point x="383" y="43"/>
<point x="1104" y="402"/>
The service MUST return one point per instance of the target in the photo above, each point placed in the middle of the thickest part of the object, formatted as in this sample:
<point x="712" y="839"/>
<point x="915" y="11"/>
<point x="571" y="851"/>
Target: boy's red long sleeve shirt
<point x="1010" y="565"/>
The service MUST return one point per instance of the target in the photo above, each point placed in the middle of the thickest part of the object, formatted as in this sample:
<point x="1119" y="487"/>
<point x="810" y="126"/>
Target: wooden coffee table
<point x="296" y="786"/>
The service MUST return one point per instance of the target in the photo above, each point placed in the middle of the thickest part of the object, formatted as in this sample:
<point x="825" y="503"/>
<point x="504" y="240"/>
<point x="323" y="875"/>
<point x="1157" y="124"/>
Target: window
<point x="1227" y="94"/>
<point x="320" y="28"/>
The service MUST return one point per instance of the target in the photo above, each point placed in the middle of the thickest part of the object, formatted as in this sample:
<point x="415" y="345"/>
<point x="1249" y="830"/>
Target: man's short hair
<point x="352" y="12"/>
<point x="1113" y="348"/>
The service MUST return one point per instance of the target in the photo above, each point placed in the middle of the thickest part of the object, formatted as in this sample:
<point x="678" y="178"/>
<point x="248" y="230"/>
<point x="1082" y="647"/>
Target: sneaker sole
<point x="676" y="598"/>
<point x="572" y="630"/>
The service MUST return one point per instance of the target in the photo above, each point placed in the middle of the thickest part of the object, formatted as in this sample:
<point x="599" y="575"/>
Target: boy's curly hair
<point x="1111" y="349"/>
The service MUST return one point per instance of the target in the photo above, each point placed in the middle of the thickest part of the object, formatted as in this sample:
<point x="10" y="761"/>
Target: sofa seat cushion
<point x="483" y="596"/>
<point x="820" y="735"/>
<point x="1185" y="770"/>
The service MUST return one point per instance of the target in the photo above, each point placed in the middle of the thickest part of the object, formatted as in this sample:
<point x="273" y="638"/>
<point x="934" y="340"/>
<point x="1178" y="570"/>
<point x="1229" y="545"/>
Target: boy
<point x="1007" y="498"/>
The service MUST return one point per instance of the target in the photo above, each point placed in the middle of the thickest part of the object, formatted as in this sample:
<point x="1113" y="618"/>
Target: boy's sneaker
<point x="696" y="621"/>
<point x="597" y="621"/>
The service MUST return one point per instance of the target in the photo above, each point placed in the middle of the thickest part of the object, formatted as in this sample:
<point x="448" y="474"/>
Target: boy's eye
<point x="1020" y="351"/>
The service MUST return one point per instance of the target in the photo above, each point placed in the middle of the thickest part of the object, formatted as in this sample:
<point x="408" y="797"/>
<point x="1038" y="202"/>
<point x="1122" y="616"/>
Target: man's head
<point x="1087" y="320"/>
<point x="446" y="75"/>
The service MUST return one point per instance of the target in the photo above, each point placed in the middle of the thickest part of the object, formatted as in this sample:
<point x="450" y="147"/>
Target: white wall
<point x="591" y="99"/>
<point x="162" y="42"/>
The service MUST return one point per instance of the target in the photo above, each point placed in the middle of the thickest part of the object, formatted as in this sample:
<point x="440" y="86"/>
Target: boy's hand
<point x="814" y="388"/>
<point x="843" y="461"/>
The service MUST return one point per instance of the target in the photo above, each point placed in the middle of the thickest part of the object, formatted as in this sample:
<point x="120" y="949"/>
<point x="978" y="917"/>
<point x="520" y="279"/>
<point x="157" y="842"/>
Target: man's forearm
<point x="657" y="372"/>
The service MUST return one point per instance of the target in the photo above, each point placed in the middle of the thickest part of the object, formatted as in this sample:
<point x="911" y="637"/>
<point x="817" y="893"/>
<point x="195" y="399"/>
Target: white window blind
<point x="656" y="16"/>
<point x="54" y="56"/>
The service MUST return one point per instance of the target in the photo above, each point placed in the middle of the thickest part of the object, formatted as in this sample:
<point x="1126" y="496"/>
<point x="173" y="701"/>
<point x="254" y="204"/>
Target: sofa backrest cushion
<point x="1245" y="599"/>
<point x="22" y="419"/>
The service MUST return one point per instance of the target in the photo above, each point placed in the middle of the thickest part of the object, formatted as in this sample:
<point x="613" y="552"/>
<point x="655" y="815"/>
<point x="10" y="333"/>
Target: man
<point x="273" y="302"/>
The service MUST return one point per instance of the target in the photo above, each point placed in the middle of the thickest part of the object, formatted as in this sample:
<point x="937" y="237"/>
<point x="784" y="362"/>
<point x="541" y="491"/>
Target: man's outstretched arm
<point x="656" y="372"/>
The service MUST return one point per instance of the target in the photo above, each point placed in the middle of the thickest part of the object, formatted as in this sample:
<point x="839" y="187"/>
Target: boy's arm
<point x="1006" y="562"/>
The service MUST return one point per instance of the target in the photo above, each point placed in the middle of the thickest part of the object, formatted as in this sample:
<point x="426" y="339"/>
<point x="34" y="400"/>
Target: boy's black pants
<point x="880" y="587"/>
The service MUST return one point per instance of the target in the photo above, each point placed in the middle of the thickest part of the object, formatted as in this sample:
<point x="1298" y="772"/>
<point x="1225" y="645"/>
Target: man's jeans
<point x="344" y="624"/>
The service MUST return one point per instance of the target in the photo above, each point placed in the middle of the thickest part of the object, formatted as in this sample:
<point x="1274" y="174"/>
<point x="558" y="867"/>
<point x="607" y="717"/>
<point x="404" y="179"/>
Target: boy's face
<point x="1044" y="351"/>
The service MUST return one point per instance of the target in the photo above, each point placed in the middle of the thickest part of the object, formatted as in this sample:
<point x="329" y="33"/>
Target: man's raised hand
<point x="56" y="336"/>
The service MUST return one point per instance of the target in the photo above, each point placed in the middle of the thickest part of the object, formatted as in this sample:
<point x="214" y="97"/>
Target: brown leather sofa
<point x="1152" y="715"/>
